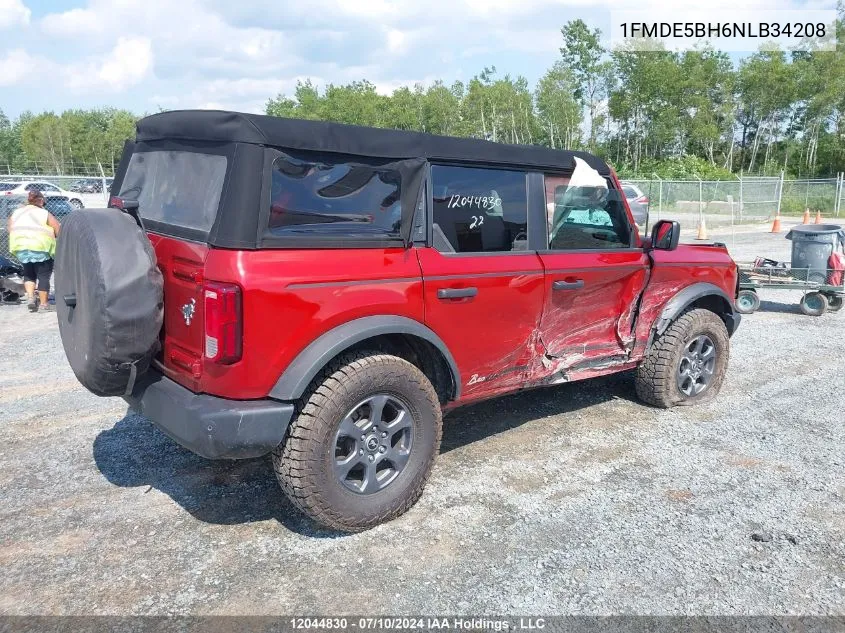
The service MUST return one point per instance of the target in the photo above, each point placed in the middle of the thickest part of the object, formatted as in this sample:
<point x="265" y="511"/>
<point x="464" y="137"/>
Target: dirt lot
<point x="575" y="499"/>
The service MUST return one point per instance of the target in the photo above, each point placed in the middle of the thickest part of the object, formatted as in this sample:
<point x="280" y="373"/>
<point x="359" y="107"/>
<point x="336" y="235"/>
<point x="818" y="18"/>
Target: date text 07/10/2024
<point x="418" y="624"/>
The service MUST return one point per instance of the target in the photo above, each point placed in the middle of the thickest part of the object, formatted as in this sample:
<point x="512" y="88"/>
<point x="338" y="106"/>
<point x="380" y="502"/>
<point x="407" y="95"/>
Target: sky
<point x="144" y="55"/>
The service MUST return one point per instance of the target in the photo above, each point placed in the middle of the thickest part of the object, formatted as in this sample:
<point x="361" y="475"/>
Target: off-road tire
<point x="834" y="303"/>
<point x="656" y="376"/>
<point x="303" y="462"/>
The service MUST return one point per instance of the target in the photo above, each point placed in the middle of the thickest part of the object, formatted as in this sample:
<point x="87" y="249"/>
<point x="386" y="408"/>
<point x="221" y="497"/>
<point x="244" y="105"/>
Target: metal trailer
<point x="818" y="296"/>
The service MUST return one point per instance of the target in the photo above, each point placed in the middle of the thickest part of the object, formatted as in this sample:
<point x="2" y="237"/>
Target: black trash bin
<point x="812" y="246"/>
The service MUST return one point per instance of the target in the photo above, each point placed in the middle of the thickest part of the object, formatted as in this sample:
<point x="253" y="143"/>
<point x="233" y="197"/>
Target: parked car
<point x="638" y="203"/>
<point x="90" y="185"/>
<point x="323" y="292"/>
<point x="48" y="189"/>
<point x="59" y="206"/>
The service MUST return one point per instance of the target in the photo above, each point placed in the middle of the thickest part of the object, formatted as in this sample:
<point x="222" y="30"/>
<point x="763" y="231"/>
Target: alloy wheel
<point x="697" y="364"/>
<point x="373" y="443"/>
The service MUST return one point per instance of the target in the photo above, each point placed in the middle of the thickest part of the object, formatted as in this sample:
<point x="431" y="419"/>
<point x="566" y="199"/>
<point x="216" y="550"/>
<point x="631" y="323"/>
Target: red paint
<point x="516" y="332"/>
<point x="489" y="334"/>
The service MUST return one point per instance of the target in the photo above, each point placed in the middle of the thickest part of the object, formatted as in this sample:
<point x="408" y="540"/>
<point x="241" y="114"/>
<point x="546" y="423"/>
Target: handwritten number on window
<point x="477" y="220"/>
<point x="482" y="202"/>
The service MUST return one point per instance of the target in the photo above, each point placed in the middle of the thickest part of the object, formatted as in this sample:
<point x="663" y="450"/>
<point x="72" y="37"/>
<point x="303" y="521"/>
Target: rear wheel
<point x="747" y="302"/>
<point x="813" y="304"/>
<point x="77" y="204"/>
<point x="687" y="363"/>
<point x="362" y="445"/>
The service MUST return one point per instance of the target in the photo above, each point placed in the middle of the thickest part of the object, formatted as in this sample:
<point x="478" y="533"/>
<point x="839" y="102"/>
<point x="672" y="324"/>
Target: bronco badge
<point x="188" y="311"/>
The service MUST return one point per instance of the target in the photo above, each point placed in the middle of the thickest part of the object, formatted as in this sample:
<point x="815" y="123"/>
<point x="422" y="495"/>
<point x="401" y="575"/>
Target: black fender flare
<point x="298" y="375"/>
<point x="686" y="297"/>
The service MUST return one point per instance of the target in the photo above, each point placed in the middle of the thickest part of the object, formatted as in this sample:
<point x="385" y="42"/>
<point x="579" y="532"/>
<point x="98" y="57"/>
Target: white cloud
<point x="17" y="65"/>
<point x="71" y="23"/>
<point x="129" y="62"/>
<point x="397" y="41"/>
<point x="191" y="53"/>
<point x="14" y="13"/>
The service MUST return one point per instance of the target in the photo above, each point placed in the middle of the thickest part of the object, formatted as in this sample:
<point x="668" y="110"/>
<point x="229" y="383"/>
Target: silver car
<point x="638" y="202"/>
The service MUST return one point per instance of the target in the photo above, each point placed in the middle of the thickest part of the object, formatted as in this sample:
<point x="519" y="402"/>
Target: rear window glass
<point x="8" y="186"/>
<point x="175" y="187"/>
<point x="325" y="197"/>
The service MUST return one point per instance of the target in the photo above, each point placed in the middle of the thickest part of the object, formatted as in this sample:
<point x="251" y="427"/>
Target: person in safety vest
<point x="32" y="239"/>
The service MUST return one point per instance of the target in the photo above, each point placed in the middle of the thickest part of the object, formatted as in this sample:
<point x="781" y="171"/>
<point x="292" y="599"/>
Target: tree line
<point x="76" y="141"/>
<point x="690" y="114"/>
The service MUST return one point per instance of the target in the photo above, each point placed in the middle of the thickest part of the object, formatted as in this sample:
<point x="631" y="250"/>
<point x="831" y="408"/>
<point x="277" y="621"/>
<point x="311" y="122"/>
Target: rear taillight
<point x="223" y="328"/>
<point x="642" y="200"/>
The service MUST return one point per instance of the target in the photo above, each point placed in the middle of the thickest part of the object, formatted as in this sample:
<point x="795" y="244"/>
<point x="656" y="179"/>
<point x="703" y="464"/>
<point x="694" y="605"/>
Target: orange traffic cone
<point x="776" y="223"/>
<point x="806" y="219"/>
<point x="702" y="230"/>
<point x="818" y="217"/>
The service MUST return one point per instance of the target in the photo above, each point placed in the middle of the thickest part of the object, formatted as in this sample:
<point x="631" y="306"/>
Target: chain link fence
<point x="747" y="200"/>
<point x="62" y="195"/>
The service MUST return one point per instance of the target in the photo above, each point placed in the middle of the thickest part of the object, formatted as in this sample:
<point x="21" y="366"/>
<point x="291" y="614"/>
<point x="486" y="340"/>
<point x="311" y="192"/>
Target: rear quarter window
<point x="318" y="196"/>
<point x="176" y="188"/>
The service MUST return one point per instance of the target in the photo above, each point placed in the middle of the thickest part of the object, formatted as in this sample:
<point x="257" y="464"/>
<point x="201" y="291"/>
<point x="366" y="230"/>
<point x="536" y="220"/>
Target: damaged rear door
<point x="483" y="287"/>
<point x="595" y="272"/>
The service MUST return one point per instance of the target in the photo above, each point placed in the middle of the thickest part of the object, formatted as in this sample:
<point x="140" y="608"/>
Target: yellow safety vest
<point x="30" y="231"/>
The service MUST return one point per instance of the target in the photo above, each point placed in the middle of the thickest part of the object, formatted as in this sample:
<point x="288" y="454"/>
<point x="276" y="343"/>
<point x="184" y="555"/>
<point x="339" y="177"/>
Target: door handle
<point x="456" y="293"/>
<point x="568" y="285"/>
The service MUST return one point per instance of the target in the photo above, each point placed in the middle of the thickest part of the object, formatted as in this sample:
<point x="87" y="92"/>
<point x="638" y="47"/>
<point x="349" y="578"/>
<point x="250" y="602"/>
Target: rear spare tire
<point x="109" y="299"/>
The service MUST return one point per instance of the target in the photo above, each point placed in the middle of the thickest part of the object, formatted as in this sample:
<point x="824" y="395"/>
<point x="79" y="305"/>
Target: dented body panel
<point x="583" y="331"/>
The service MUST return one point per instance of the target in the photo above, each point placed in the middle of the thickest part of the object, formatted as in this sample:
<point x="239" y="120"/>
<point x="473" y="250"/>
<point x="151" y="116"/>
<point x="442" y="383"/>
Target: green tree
<point x="559" y="112"/>
<point x="582" y="53"/>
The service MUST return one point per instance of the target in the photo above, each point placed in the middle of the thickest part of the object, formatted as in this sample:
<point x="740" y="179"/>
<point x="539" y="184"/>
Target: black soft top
<point x="323" y="136"/>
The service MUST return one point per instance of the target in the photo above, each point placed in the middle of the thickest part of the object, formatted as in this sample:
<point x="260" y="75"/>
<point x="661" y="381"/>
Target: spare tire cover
<point x="106" y="262"/>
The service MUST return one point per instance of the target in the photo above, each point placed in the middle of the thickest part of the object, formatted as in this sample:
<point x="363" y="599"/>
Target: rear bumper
<point x="212" y="427"/>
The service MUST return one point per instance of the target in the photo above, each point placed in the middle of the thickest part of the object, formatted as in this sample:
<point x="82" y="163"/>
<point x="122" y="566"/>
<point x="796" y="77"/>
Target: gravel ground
<point x="570" y="500"/>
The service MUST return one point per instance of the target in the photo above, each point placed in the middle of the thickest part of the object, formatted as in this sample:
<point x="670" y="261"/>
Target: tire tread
<point x="297" y="473"/>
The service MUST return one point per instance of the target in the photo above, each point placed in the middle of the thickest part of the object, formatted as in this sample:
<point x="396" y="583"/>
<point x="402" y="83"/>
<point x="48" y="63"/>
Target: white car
<point x="48" y="189"/>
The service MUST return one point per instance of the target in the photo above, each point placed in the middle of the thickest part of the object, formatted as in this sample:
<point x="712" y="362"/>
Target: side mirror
<point x="665" y="235"/>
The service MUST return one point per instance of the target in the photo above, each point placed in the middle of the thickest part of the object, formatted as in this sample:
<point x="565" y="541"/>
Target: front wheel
<point x="687" y="363"/>
<point x="77" y="204"/>
<point x="362" y="445"/>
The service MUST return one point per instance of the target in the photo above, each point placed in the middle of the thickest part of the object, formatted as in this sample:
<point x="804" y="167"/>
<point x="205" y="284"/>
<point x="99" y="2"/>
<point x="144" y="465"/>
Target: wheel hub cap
<point x="373" y="444"/>
<point x="697" y="365"/>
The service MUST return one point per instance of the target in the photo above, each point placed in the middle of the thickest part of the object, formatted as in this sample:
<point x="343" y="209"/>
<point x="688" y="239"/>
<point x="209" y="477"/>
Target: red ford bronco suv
<point x="322" y="292"/>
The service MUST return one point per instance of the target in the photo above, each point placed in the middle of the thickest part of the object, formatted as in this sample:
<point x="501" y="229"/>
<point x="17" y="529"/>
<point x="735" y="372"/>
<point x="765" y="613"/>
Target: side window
<point x="478" y="210"/>
<point x="591" y="217"/>
<point x="32" y="187"/>
<point x="318" y="196"/>
<point x="629" y="193"/>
